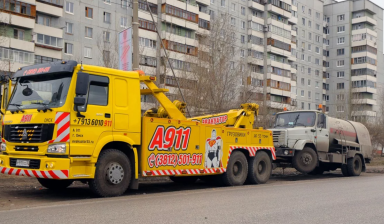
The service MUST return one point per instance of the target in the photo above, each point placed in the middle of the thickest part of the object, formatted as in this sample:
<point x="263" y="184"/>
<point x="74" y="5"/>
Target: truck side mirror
<point x="82" y="83"/>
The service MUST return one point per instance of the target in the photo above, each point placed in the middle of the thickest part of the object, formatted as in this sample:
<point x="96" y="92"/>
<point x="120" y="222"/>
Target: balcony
<point x="255" y="61"/>
<point x="364" y="90"/>
<point x="17" y="20"/>
<point x="18" y="44"/>
<point x="45" y="6"/>
<point x="364" y="65"/>
<point x="48" y="30"/>
<point x="364" y="42"/>
<point x="364" y="113"/>
<point x="203" y="2"/>
<point x="278" y="10"/>
<point x="364" y="101"/>
<point x="364" y="30"/>
<point x="256" y="4"/>
<point x="255" y="19"/>
<point x="363" y="19"/>
<point x="292" y="20"/>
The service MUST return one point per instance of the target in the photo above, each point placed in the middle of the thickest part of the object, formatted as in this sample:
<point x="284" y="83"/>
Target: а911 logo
<point x="166" y="139"/>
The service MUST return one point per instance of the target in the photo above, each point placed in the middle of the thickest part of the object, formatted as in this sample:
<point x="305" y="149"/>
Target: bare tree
<point x="108" y="49"/>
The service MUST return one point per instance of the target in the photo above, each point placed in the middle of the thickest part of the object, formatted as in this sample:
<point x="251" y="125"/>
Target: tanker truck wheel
<point x="237" y="170"/>
<point x="184" y="180"/>
<point x="305" y="160"/>
<point x="344" y="170"/>
<point x="354" y="166"/>
<point x="55" y="184"/>
<point x="113" y="174"/>
<point x="259" y="168"/>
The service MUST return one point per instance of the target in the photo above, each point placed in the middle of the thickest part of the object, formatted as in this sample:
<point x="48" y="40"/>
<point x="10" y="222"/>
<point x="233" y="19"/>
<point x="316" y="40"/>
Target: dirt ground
<point x="23" y="192"/>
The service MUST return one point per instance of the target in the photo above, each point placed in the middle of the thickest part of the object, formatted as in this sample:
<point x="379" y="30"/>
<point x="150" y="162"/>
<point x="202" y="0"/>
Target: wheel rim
<point x="261" y="167"/>
<point x="115" y="173"/>
<point x="237" y="168"/>
<point x="306" y="159"/>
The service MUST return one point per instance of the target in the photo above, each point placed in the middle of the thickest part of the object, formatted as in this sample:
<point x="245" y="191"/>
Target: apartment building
<point x="354" y="58"/>
<point x="30" y="33"/>
<point x="309" y="54"/>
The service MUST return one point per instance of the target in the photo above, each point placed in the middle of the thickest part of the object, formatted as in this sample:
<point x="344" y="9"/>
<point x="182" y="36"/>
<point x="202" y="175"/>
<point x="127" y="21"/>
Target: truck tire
<point x="259" y="168"/>
<point x="184" y="180"/>
<point x="354" y="166"/>
<point x="344" y="170"/>
<point x="113" y="174"/>
<point x="237" y="170"/>
<point x="305" y="160"/>
<point x="52" y="184"/>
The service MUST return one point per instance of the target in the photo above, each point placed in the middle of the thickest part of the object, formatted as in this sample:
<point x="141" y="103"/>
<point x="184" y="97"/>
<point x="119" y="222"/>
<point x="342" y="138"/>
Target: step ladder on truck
<point x="67" y="122"/>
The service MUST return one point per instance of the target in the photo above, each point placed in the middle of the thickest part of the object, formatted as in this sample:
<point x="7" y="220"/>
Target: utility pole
<point x="135" y="41"/>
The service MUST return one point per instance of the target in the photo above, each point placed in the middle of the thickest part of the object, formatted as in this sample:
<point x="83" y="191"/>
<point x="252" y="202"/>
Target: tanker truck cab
<point x="312" y="142"/>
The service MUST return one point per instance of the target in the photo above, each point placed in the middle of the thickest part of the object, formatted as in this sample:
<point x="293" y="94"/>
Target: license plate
<point x="23" y="163"/>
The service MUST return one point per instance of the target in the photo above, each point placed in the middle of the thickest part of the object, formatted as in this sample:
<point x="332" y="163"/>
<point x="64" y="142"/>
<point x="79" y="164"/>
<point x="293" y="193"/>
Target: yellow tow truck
<point x="66" y="121"/>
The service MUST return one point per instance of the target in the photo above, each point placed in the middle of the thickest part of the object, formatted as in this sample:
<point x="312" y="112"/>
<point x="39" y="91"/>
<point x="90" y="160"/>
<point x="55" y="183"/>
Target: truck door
<point x="322" y="132"/>
<point x="96" y="120"/>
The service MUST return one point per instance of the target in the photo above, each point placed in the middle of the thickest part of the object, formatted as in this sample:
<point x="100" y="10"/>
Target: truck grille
<point x="31" y="133"/>
<point x="33" y="163"/>
<point x="279" y="137"/>
<point x="26" y="148"/>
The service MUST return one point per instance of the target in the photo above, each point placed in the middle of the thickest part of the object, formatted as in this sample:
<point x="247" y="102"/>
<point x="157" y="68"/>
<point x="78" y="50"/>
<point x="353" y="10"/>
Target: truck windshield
<point x="294" y="119"/>
<point x="42" y="91"/>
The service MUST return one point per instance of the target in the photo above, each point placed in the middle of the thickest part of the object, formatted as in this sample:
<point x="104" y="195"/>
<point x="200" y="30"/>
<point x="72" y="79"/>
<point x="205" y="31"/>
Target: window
<point x="340" y="97"/>
<point x="317" y="15"/>
<point x="340" y="29"/>
<point x="317" y="84"/>
<point x="309" y="73"/>
<point x="317" y="61"/>
<point x="42" y="19"/>
<point x="303" y="21"/>
<point x="317" y="38"/>
<point x="303" y="9"/>
<point x="88" y="32"/>
<point x="317" y="27"/>
<point x="242" y="10"/>
<point x="309" y="36"/>
<point x="326" y="30"/>
<point x="87" y="52"/>
<point x="98" y="93"/>
<point x="340" y="108"/>
<point x="88" y="12"/>
<point x="242" y="53"/>
<point x="107" y="1"/>
<point x="123" y="21"/>
<point x="68" y="49"/>
<point x="233" y="21"/>
<point x="242" y="39"/>
<point x="317" y="50"/>
<point x="107" y="17"/>
<point x="106" y="36"/>
<point x="69" y="7"/>
<point x="232" y="65"/>
<point x="340" y="74"/>
<point x="302" y="81"/>
<point x="302" y="93"/>
<point x="341" y="17"/>
<point x="309" y="23"/>
<point x="309" y="59"/>
<point x="309" y="82"/>
<point x="233" y="6"/>
<point x="69" y="28"/>
<point x="317" y="73"/>
<point x="340" y="40"/>
<point x="48" y="40"/>
<point x="326" y="97"/>
<point x="302" y="105"/>
<point x="303" y="57"/>
<point x="309" y="11"/>
<point x="223" y="3"/>
<point x="309" y="47"/>
<point x="124" y="3"/>
<point x="145" y="42"/>
<point x="242" y="24"/>
<point x="309" y="97"/>
<point x="18" y="34"/>
<point x="303" y="33"/>
<point x="340" y="63"/>
<point x="340" y="51"/>
<point x="340" y="85"/>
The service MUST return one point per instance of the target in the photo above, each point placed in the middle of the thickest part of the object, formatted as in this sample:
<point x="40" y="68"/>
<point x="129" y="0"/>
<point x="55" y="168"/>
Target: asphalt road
<point x="331" y="200"/>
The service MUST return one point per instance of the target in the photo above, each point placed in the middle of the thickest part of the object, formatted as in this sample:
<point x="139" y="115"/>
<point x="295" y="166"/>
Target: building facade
<point x="355" y="49"/>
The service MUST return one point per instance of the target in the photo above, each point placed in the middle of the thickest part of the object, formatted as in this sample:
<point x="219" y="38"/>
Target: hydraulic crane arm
<point x="237" y="118"/>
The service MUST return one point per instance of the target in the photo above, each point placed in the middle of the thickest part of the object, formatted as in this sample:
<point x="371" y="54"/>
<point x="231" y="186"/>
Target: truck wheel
<point x="237" y="170"/>
<point x="344" y="170"/>
<point x="113" y="174"/>
<point x="52" y="184"/>
<point x="305" y="160"/>
<point x="354" y="166"/>
<point x="259" y="168"/>
<point x="184" y="180"/>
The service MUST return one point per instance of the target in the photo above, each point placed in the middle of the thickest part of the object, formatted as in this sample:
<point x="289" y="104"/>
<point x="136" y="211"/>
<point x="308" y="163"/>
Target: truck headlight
<point x="3" y="147"/>
<point x="57" y="148"/>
